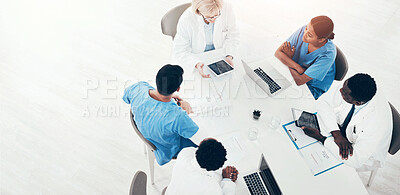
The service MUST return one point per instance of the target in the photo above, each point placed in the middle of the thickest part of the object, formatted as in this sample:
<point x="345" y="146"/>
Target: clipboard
<point x="317" y="157"/>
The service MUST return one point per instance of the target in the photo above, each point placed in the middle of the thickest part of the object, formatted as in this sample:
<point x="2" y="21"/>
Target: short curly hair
<point x="362" y="86"/>
<point x="211" y="155"/>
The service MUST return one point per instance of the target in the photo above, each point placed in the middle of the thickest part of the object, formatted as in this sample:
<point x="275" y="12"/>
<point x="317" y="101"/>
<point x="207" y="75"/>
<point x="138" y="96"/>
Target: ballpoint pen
<point x="177" y="101"/>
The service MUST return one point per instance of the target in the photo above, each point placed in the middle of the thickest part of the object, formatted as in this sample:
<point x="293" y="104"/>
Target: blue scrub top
<point x="164" y="124"/>
<point x="319" y="64"/>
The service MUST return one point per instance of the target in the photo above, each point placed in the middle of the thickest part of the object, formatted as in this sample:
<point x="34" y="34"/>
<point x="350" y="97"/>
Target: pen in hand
<point x="177" y="101"/>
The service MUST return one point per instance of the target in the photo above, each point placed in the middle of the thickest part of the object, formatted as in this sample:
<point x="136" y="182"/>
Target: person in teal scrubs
<point x="160" y="115"/>
<point x="310" y="55"/>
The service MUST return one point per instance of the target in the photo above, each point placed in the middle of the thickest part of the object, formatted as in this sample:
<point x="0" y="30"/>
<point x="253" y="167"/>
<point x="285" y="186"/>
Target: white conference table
<point x="232" y="124"/>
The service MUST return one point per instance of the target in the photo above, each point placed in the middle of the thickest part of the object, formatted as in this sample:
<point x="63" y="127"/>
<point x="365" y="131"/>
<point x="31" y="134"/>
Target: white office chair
<point x="394" y="144"/>
<point x="171" y="18"/>
<point x="149" y="148"/>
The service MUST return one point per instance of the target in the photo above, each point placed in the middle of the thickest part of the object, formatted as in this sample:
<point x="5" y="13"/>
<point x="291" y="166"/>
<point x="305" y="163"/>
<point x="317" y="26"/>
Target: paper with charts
<point x="317" y="157"/>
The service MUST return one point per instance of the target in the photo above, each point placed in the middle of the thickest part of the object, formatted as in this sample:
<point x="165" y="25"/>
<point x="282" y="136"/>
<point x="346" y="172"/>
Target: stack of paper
<point x="317" y="157"/>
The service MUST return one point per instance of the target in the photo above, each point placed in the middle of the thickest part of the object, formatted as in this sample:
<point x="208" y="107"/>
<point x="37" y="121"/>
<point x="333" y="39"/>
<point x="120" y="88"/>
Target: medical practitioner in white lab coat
<point x="205" y="26"/>
<point x="197" y="171"/>
<point x="360" y="120"/>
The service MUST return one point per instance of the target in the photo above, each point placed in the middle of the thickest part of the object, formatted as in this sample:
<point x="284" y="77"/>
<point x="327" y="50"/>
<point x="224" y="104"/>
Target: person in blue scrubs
<point x="161" y="116"/>
<point x="310" y="55"/>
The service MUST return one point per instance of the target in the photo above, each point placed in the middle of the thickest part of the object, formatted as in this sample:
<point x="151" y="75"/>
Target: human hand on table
<point x="288" y="49"/>
<point x="314" y="133"/>
<point x="199" y="66"/>
<point x="345" y="147"/>
<point x="230" y="172"/>
<point x="229" y="59"/>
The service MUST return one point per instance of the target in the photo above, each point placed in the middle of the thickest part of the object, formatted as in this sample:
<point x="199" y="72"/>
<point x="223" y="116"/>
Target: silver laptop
<point x="268" y="78"/>
<point x="262" y="182"/>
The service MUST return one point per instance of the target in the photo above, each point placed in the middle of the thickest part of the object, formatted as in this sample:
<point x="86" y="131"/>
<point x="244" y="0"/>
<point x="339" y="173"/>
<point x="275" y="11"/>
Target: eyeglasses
<point x="212" y="18"/>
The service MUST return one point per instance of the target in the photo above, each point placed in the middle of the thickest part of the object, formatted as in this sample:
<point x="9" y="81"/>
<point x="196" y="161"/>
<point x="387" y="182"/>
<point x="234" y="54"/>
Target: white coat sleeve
<point x="182" y="50"/>
<point x="222" y="189"/>
<point x="228" y="187"/>
<point x="365" y="145"/>
<point x="232" y="38"/>
<point x="325" y="109"/>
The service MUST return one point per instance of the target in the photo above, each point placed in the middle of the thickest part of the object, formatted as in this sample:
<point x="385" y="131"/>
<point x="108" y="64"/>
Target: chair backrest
<point x="171" y="18"/>
<point x="395" y="143"/>
<point x="147" y="142"/>
<point x="164" y="190"/>
<point x="139" y="182"/>
<point x="341" y="65"/>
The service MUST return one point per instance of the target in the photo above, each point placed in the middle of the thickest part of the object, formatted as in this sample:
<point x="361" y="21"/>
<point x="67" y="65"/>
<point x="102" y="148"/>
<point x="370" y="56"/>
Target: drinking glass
<point x="275" y="122"/>
<point x="253" y="134"/>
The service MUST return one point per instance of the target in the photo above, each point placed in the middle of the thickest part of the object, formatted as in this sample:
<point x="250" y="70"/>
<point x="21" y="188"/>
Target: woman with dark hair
<point x="310" y="55"/>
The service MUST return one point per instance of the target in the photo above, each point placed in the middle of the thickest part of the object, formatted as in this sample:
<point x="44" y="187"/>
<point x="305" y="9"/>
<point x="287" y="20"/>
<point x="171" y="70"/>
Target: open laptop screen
<point x="268" y="178"/>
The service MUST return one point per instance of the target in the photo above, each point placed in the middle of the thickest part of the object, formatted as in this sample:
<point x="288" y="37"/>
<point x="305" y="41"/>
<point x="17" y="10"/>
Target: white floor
<point x="64" y="65"/>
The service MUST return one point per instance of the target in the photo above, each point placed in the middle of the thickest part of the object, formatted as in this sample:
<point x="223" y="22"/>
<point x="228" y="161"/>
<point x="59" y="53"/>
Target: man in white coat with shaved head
<point x="359" y="119"/>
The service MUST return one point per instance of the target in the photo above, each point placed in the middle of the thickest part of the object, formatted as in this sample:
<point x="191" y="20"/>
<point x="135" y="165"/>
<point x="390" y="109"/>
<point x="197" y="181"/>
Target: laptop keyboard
<point x="273" y="86"/>
<point x="254" y="184"/>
